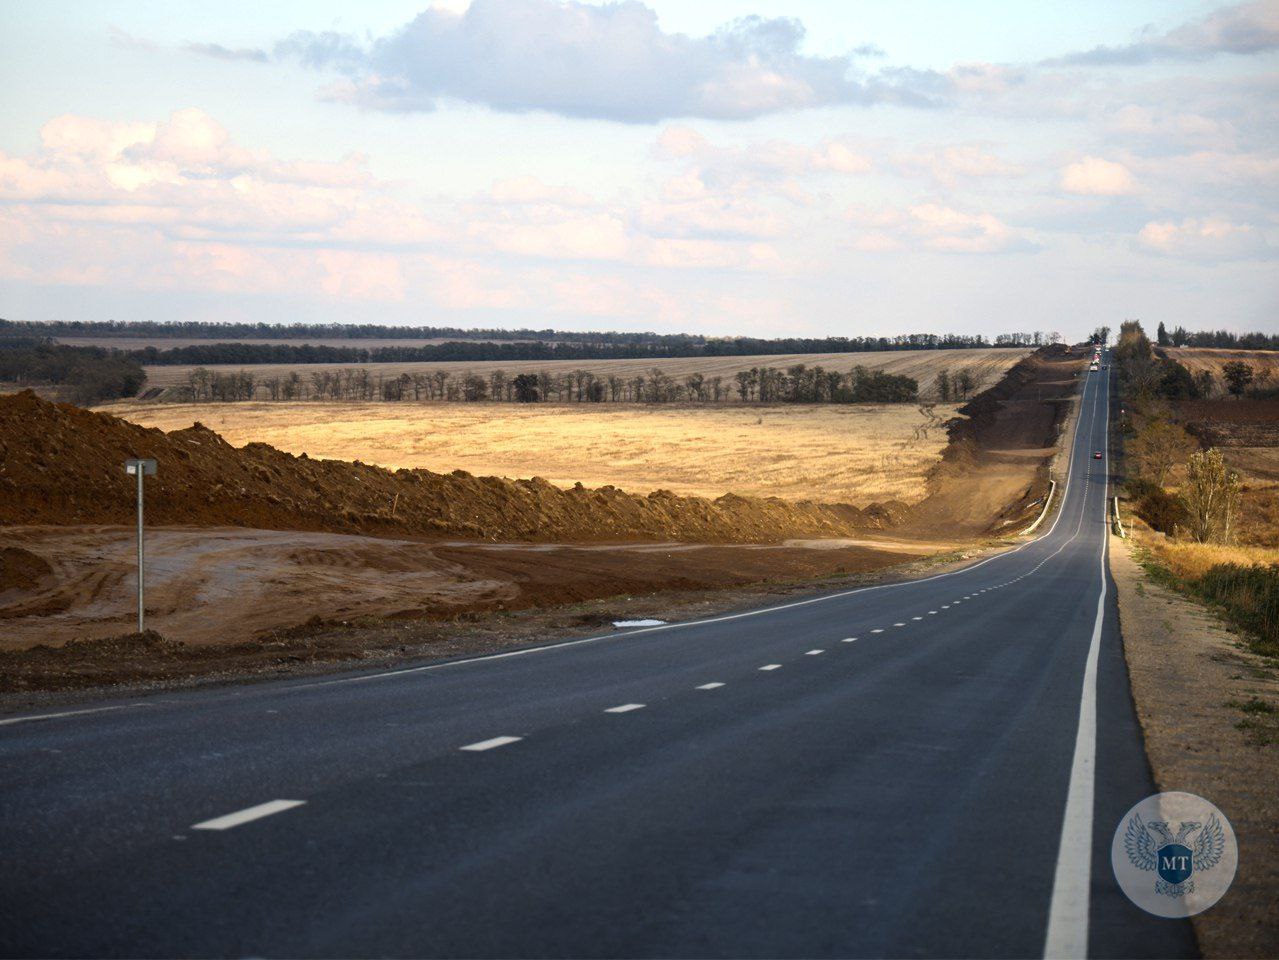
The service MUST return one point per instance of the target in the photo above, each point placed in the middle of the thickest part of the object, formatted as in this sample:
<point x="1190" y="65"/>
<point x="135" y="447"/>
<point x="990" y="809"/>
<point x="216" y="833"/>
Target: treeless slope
<point x="994" y="470"/>
<point x="63" y="465"/>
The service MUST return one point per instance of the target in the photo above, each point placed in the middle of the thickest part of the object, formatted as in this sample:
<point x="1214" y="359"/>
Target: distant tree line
<point x="474" y="345"/>
<point x="229" y="354"/>
<point x="796" y="384"/>
<point x="1220" y="339"/>
<point x="84" y="375"/>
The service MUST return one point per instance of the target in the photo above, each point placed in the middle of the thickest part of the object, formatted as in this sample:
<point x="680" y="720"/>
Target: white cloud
<point x="1208" y="238"/>
<point x="933" y="226"/>
<point x="610" y="62"/>
<point x="1093" y="176"/>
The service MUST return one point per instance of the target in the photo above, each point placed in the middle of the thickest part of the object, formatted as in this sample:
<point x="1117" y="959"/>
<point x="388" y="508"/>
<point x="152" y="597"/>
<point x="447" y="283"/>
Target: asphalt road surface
<point x="932" y="768"/>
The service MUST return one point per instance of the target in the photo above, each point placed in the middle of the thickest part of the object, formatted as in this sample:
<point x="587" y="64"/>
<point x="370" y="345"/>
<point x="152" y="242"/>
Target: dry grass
<point x="986" y="365"/>
<point x="853" y="454"/>
<point x="1190" y="561"/>
<point x="1196" y="359"/>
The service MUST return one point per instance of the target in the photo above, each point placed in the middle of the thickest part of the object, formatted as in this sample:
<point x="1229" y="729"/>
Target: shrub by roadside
<point x="1242" y="582"/>
<point x="1250" y="597"/>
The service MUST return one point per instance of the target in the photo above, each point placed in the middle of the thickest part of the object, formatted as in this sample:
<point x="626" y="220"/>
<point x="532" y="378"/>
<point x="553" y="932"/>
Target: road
<point x="932" y="768"/>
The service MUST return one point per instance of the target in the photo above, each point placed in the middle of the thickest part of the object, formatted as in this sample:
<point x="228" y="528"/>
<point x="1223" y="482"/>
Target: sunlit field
<point x="837" y="453"/>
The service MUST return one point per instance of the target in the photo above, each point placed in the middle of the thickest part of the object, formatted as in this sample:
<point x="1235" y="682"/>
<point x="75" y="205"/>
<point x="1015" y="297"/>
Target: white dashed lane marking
<point x="771" y="666"/>
<point x="247" y="815"/>
<point x="877" y="630"/>
<point x="849" y="639"/>
<point x="490" y="744"/>
<point x="710" y="686"/>
<point x="917" y="618"/>
<point x="625" y="708"/>
<point x="899" y="624"/>
<point x="813" y="653"/>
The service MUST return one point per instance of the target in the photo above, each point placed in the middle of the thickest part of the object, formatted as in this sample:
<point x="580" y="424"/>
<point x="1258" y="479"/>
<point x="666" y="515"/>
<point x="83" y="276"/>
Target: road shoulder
<point x="1190" y="676"/>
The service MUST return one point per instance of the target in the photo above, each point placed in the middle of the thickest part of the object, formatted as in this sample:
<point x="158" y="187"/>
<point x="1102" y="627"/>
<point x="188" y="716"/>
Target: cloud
<point x="611" y="62"/>
<point x="950" y="163"/>
<point x="933" y="226"/>
<point x="219" y="52"/>
<point x="1209" y="238"/>
<point x="1243" y="29"/>
<point x="1093" y="176"/>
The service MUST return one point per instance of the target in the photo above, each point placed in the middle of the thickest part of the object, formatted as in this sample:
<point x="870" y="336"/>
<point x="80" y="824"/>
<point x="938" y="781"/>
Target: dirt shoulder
<point x="1196" y="691"/>
<point x="132" y="664"/>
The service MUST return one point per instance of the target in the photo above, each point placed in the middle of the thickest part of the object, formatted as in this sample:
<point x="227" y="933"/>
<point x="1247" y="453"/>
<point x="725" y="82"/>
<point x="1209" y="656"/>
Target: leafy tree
<point x="1237" y="375"/>
<point x="526" y="388"/>
<point x="1205" y="383"/>
<point x="1161" y="335"/>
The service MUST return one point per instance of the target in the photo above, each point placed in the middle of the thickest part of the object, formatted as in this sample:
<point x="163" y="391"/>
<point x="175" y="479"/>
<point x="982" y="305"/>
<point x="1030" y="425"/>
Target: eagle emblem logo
<point x="1177" y="858"/>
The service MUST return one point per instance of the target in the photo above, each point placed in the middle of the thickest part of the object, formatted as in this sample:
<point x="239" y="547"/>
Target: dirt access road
<point x="211" y="586"/>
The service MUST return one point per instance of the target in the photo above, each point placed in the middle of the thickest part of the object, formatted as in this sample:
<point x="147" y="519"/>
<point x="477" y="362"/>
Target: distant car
<point x="1096" y="454"/>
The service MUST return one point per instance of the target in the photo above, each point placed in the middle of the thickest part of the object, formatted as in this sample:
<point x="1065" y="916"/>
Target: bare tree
<point x="1158" y="448"/>
<point x="1211" y="495"/>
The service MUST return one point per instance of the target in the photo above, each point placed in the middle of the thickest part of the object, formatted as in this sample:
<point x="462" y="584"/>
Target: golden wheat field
<point x="986" y="365"/>
<point x="837" y="453"/>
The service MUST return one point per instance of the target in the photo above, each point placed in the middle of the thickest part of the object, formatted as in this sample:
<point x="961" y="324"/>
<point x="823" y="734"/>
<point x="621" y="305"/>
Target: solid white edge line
<point x="247" y="815"/>
<point x="1067" y="933"/>
<point x="69" y="713"/>
<point x="490" y="744"/>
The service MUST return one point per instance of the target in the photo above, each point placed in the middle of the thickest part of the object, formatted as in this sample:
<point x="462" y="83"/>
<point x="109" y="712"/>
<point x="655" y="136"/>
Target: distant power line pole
<point x="141" y="468"/>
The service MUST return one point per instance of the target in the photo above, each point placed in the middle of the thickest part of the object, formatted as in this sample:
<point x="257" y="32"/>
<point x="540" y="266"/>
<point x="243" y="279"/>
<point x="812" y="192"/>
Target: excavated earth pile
<point x="63" y="465"/>
<point x="994" y="470"/>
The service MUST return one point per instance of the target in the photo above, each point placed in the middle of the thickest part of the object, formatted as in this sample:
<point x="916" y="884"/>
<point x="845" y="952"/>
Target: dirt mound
<point x="63" y="465"/>
<point x="21" y="569"/>
<point x="994" y="471"/>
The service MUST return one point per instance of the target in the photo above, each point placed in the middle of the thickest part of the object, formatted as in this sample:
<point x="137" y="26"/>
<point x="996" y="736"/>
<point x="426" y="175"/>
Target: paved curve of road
<point x="933" y="768"/>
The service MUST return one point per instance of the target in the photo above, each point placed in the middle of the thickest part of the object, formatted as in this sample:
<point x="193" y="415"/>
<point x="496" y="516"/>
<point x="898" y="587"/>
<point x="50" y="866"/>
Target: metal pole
<point x="141" y="575"/>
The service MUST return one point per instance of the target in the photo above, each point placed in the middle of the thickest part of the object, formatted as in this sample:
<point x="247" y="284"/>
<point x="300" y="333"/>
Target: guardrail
<point x="1119" y="523"/>
<point x="1048" y="502"/>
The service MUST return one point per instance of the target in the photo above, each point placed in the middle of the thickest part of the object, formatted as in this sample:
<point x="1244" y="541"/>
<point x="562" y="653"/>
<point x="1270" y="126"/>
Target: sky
<point x="754" y="168"/>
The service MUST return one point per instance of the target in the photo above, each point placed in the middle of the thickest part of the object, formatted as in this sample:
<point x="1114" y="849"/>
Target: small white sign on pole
<point x="140" y="467"/>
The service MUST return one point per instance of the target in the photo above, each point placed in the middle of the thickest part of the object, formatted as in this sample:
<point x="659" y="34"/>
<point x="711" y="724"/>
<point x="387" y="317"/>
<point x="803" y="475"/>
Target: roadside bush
<point x="1161" y="510"/>
<point x="1250" y="596"/>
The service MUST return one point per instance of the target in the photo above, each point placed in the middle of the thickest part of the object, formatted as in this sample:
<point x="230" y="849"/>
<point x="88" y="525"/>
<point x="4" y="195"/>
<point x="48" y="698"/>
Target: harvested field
<point x="832" y="453"/>
<point x="63" y="465"/>
<point x="1196" y="359"/>
<point x="987" y="366"/>
<point x="1247" y="433"/>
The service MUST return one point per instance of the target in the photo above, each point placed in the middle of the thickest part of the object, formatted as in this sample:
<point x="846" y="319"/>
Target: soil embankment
<point x="247" y="544"/>
<point x="63" y="465"/>
<point x="994" y="472"/>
